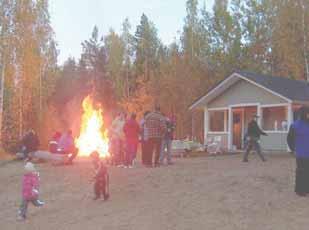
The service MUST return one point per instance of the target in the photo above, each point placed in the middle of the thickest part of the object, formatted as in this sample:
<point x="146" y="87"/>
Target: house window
<point x="274" y="118"/>
<point x="218" y="121"/>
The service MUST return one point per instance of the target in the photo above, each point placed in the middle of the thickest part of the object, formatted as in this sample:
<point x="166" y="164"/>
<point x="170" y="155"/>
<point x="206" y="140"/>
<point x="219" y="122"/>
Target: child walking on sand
<point x="30" y="190"/>
<point x="101" y="177"/>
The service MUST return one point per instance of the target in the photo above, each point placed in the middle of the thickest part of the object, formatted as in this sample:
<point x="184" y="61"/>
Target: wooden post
<point x="230" y="129"/>
<point x="206" y="124"/>
<point x="289" y="119"/>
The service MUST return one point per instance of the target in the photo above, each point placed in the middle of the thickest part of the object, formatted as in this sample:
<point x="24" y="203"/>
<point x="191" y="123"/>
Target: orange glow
<point x="92" y="137"/>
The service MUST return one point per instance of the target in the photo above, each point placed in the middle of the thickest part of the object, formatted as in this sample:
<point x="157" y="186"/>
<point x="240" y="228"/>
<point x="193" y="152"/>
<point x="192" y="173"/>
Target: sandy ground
<point x="195" y="193"/>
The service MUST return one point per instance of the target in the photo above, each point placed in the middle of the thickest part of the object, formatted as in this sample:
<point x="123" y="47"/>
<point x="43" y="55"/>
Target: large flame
<point x="92" y="137"/>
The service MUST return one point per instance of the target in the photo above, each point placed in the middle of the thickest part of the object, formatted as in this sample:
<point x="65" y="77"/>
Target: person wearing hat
<point x="30" y="190"/>
<point x="253" y="135"/>
<point x="297" y="139"/>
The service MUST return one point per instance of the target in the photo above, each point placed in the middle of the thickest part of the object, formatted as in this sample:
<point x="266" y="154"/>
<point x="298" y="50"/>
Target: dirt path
<point x="196" y="193"/>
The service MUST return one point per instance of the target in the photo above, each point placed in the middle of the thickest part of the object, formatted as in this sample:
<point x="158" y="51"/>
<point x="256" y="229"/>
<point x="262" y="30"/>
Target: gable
<point x="244" y="92"/>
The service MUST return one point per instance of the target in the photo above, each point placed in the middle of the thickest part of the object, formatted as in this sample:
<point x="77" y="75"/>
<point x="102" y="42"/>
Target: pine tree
<point x="146" y="46"/>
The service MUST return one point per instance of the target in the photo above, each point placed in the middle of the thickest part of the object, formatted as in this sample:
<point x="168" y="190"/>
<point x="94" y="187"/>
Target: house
<point x="230" y="105"/>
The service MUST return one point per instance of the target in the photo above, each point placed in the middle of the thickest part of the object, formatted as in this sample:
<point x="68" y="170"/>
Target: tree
<point x="146" y="46"/>
<point x="28" y="53"/>
<point x="128" y="41"/>
<point x="94" y="57"/>
<point x="115" y="51"/>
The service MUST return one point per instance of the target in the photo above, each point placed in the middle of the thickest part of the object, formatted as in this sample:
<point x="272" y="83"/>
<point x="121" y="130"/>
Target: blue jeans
<point x="166" y="145"/>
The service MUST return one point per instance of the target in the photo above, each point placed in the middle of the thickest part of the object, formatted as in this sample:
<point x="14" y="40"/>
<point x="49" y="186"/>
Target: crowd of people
<point x="154" y="132"/>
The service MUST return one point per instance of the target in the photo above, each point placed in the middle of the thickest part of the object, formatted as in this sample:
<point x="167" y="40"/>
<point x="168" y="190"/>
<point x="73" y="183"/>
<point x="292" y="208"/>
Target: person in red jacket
<point x="131" y="130"/>
<point x="30" y="190"/>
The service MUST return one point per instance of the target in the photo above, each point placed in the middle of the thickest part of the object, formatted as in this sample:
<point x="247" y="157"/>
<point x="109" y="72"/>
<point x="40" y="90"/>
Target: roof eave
<point x="198" y="102"/>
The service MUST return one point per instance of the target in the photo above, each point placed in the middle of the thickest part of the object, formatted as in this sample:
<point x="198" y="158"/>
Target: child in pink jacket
<point x="30" y="190"/>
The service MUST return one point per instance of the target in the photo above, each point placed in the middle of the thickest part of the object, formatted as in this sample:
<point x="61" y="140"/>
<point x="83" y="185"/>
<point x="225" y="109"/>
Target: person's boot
<point x="245" y="160"/>
<point x="106" y="196"/>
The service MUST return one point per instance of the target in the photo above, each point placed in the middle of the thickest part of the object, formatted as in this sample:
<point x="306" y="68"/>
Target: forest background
<point x="133" y="70"/>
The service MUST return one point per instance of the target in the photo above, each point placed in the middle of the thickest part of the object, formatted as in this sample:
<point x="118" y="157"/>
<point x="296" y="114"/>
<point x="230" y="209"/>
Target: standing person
<point x="167" y="142"/>
<point x="117" y="136"/>
<point x="297" y="139"/>
<point x="30" y="190"/>
<point x="144" y="138"/>
<point x="254" y="133"/>
<point x="101" y="177"/>
<point x="66" y="146"/>
<point x="131" y="130"/>
<point x="156" y="126"/>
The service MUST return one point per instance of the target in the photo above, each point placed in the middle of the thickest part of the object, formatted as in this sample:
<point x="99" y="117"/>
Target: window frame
<point x="225" y="124"/>
<point x="262" y="107"/>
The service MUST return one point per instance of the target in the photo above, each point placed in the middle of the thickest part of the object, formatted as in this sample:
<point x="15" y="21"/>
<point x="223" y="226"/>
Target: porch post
<point x="290" y="114"/>
<point x="230" y="129"/>
<point x="206" y="124"/>
<point x="259" y="113"/>
<point x="290" y="120"/>
<point x="225" y="121"/>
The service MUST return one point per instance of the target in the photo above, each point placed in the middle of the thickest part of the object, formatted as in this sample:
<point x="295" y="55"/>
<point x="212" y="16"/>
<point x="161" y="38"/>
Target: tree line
<point x="133" y="70"/>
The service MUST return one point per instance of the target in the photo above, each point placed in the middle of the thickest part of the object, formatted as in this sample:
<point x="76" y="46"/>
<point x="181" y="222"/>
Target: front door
<point x="237" y="128"/>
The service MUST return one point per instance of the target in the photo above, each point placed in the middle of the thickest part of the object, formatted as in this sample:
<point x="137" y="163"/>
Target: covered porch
<point x="230" y="123"/>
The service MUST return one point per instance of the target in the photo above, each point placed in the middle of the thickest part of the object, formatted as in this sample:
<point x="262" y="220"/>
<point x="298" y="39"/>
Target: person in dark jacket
<point x="253" y="135"/>
<point x="101" y="177"/>
<point x="30" y="143"/>
<point x="167" y="141"/>
<point x="298" y="141"/>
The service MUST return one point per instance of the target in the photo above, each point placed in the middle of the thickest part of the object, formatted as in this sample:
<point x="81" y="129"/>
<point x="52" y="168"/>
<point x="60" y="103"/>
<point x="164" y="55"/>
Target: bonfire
<point x="93" y="135"/>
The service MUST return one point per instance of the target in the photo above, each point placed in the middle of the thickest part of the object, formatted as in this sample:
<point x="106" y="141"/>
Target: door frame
<point x="240" y="112"/>
<point x="230" y="120"/>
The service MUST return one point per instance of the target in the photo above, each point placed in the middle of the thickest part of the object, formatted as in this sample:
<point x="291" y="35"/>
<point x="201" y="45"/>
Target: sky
<point x="74" y="20"/>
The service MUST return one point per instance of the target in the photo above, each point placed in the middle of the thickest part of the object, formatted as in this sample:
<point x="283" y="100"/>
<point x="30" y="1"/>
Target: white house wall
<point x="274" y="141"/>
<point x="243" y="92"/>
